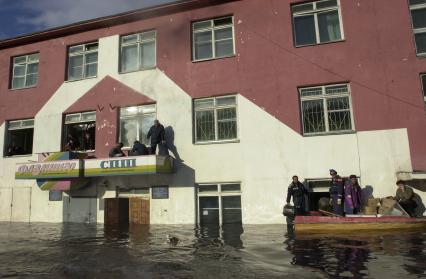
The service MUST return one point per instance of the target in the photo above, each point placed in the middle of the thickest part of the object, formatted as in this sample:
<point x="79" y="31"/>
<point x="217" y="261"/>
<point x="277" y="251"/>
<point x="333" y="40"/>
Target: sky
<point x="19" y="17"/>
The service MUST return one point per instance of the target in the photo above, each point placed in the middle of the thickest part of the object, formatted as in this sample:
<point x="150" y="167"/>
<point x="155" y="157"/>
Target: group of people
<point x="73" y="144"/>
<point x="345" y="195"/>
<point x="157" y="136"/>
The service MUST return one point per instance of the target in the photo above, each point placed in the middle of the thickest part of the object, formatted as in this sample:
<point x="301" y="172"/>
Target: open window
<point x="135" y="122"/>
<point x="19" y="137"/>
<point x="80" y="131"/>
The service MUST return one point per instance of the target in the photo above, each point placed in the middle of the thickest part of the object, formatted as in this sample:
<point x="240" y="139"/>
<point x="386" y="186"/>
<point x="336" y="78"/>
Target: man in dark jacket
<point x="336" y="192"/>
<point x="139" y="149"/>
<point x="156" y="133"/>
<point x="116" y="151"/>
<point x="297" y="191"/>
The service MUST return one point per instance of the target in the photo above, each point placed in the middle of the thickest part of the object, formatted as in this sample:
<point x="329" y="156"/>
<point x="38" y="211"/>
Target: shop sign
<point x="50" y="169"/>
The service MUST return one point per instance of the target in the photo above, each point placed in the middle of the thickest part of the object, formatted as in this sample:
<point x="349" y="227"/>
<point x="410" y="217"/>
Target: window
<point x="83" y="61"/>
<point x="215" y="119"/>
<point x="138" y="51"/>
<point x="80" y="131"/>
<point x="219" y="203"/>
<point x="423" y="78"/>
<point x="25" y="71"/>
<point x="160" y="192"/>
<point x="418" y="17"/>
<point x="19" y="137"/>
<point x="55" y="195"/>
<point x="135" y="123"/>
<point x="326" y="109"/>
<point x="213" y="38"/>
<point x="317" y="22"/>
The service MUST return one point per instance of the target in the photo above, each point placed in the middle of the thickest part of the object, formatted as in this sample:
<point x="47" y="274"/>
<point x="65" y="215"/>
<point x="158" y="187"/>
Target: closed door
<point x="209" y="210"/>
<point x="21" y="204"/>
<point x="80" y="210"/>
<point x="112" y="211"/>
<point x="139" y="211"/>
<point x="5" y="204"/>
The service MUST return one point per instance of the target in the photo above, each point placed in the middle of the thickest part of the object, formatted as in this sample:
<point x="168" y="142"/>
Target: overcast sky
<point x="18" y="17"/>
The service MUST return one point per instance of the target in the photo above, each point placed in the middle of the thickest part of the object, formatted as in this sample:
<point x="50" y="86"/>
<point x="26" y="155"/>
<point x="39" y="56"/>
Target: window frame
<point x="21" y="127"/>
<point x="138" y="43"/>
<point x="314" y="11"/>
<point x="12" y="76"/>
<point x="219" y="194"/>
<point x="324" y="97"/>
<point x="423" y="86"/>
<point x="212" y="28"/>
<point x="84" y="53"/>
<point x="65" y="123"/>
<point x="417" y="30"/>
<point x="136" y="116"/>
<point x="215" y="108"/>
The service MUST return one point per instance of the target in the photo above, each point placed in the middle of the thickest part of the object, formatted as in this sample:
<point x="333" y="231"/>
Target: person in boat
<point x="298" y="192"/>
<point x="116" y="151"/>
<point x="352" y="195"/>
<point x="405" y="197"/>
<point x="336" y="192"/>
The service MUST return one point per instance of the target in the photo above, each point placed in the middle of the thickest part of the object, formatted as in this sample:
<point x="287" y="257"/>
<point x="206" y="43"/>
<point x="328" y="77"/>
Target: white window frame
<point x="219" y="194"/>
<point x="80" y="117"/>
<point x="315" y="13"/>
<point x="212" y="28"/>
<point x="215" y="107"/>
<point x="136" y="116"/>
<point x="22" y="124"/>
<point x="139" y="43"/>
<point x="423" y="87"/>
<point x="84" y="53"/>
<point x="324" y="97"/>
<point x="417" y="30"/>
<point x="26" y="63"/>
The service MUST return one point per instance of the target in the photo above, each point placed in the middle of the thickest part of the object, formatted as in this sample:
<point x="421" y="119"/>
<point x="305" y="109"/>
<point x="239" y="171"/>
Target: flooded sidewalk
<point x="40" y="250"/>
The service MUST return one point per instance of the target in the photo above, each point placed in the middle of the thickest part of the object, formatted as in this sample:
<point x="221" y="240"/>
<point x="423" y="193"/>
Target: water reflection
<point x="95" y="251"/>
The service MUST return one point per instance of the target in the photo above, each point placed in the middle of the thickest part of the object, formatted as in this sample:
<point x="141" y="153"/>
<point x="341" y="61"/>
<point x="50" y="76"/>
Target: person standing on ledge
<point x="297" y="191"/>
<point x="156" y="133"/>
<point x="336" y="192"/>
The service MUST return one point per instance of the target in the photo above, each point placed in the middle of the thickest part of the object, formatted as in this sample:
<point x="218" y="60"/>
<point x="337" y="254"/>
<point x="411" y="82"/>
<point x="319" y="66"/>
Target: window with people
<point x="19" y="137"/>
<point x="80" y="131"/>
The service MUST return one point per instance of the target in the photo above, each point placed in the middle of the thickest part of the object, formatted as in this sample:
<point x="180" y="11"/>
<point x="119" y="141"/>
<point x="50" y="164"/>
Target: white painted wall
<point x="264" y="166"/>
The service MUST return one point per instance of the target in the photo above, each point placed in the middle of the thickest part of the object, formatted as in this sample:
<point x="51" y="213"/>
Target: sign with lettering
<point x="49" y="170"/>
<point x="135" y="165"/>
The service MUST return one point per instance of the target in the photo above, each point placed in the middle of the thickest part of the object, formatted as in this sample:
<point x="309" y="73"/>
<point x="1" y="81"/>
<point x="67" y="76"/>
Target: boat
<point x="315" y="223"/>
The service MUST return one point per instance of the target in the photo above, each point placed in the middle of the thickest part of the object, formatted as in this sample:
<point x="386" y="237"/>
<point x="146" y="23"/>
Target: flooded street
<point x="94" y="251"/>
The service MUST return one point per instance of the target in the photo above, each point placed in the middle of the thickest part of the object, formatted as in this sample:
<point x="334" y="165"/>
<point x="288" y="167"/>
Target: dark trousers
<point x="153" y="148"/>
<point x="409" y="206"/>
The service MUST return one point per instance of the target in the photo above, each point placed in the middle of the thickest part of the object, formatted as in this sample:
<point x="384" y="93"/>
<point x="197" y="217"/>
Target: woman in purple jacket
<point x="352" y="196"/>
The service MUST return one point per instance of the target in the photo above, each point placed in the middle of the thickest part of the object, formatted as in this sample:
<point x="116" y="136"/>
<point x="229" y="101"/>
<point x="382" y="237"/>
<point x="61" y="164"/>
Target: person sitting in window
<point x="13" y="150"/>
<point x="156" y="133"/>
<point x="139" y="149"/>
<point x="116" y="151"/>
<point x="88" y="142"/>
<point x="72" y="143"/>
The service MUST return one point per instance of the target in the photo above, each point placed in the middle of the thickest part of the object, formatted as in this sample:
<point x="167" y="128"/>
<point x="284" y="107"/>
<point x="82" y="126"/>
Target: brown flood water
<point x="40" y="250"/>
